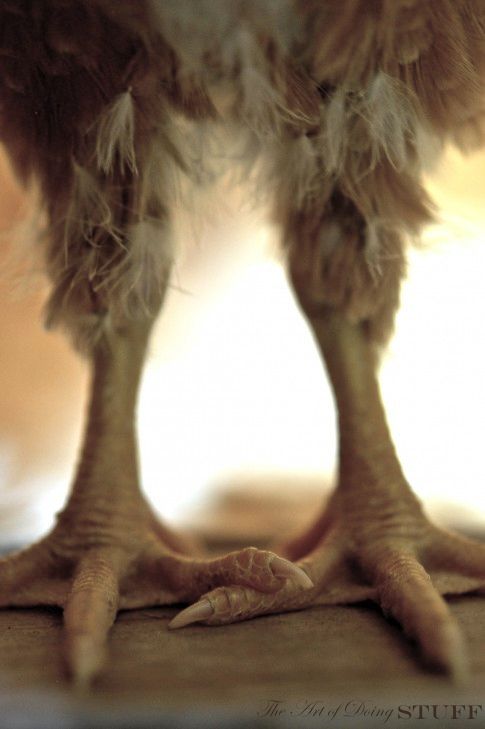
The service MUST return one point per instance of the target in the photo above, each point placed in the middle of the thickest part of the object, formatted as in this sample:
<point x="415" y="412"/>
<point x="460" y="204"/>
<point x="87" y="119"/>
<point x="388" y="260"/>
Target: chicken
<point x="344" y="106"/>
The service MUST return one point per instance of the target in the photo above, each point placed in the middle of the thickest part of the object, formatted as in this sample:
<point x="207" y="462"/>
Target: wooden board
<point x="282" y="670"/>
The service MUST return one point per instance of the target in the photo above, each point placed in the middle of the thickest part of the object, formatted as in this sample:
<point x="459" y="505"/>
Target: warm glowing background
<point x="234" y="393"/>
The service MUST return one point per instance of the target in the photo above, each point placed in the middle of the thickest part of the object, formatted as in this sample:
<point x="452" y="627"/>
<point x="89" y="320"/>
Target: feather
<point x="391" y="118"/>
<point x="87" y="210"/>
<point x="115" y="135"/>
<point x="347" y="101"/>
<point x="146" y="267"/>
<point x="335" y="131"/>
<point x="381" y="119"/>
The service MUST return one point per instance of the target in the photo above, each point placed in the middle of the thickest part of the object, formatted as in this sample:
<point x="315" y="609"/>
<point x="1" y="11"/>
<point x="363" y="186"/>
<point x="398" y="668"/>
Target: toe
<point x="406" y="592"/>
<point x="456" y="553"/>
<point x="21" y="572"/>
<point x="256" y="568"/>
<point x="259" y="569"/>
<point x="227" y="605"/>
<point x="233" y="603"/>
<point x="89" y="613"/>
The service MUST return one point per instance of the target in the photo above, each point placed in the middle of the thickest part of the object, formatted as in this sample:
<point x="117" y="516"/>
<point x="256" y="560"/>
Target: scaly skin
<point x="94" y="567"/>
<point x="108" y="552"/>
<point x="403" y="563"/>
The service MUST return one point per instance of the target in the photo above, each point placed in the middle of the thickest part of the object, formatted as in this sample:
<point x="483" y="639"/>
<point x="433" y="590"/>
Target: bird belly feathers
<point x="107" y="105"/>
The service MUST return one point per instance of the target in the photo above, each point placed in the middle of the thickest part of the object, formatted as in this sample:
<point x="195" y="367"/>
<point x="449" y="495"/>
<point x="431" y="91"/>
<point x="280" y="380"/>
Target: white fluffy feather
<point x="115" y="135"/>
<point x="87" y="209"/>
<point x="146" y="267"/>
<point x="381" y="116"/>
<point x="391" y="118"/>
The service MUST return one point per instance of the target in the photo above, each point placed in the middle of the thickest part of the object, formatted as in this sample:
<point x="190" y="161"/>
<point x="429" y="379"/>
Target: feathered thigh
<point x="346" y="106"/>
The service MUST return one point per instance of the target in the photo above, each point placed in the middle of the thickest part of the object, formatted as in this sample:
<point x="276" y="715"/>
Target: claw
<point x="195" y="613"/>
<point x="283" y="568"/>
<point x="85" y="657"/>
<point x="451" y="655"/>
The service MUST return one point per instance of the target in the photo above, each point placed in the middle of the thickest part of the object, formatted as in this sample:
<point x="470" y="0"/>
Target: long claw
<point x="201" y="610"/>
<point x="283" y="568"/>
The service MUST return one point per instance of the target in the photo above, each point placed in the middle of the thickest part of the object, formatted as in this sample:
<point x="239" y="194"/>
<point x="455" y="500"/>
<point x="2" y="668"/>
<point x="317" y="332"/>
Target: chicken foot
<point x="107" y="551"/>
<point x="373" y="541"/>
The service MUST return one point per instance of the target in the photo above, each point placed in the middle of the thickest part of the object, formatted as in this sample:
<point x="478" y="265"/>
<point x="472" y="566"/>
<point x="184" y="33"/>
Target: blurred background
<point x="235" y="411"/>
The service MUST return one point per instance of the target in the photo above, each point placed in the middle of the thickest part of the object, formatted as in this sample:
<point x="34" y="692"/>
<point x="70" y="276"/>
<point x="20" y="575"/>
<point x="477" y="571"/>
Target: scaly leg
<point x="373" y="542"/>
<point x="107" y="550"/>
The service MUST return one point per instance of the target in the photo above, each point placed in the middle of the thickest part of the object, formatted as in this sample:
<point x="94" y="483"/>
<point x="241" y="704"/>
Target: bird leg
<point x="373" y="541"/>
<point x="107" y="551"/>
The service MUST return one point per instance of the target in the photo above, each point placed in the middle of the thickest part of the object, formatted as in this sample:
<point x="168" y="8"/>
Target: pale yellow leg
<point x="373" y="541"/>
<point x="107" y="550"/>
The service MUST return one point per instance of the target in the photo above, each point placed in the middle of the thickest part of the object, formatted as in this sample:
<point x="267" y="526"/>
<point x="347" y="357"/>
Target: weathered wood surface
<point x="227" y="676"/>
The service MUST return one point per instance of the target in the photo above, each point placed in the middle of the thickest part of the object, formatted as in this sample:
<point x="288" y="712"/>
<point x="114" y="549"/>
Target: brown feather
<point x="342" y="99"/>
